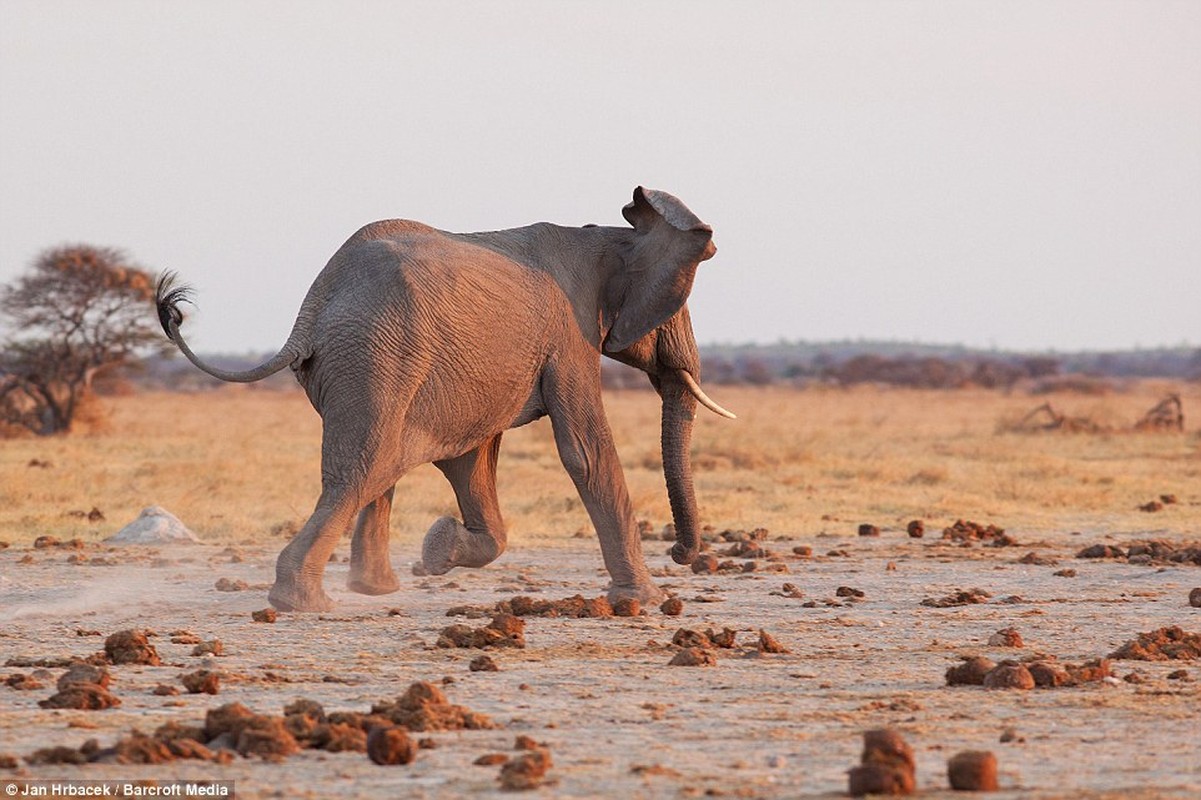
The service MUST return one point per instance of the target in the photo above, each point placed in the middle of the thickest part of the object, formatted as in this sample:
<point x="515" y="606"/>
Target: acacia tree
<point x="79" y="310"/>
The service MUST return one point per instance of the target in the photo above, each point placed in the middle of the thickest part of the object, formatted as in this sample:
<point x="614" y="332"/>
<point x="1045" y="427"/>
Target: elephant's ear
<point x="668" y="243"/>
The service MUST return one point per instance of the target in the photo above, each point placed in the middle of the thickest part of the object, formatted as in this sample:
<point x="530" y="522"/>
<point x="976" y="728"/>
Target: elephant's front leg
<point x="586" y="448"/>
<point x="480" y="537"/>
<point x="370" y="564"/>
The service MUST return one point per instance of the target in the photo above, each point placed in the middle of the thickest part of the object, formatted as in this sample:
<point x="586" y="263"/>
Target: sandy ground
<point x="619" y="721"/>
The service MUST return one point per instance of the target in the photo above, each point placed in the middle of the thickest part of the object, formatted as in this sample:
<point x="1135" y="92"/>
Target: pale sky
<point x="1014" y="174"/>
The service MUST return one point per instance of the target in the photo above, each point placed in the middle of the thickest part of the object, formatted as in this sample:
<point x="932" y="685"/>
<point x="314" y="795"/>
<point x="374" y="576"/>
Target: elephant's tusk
<point x="703" y="398"/>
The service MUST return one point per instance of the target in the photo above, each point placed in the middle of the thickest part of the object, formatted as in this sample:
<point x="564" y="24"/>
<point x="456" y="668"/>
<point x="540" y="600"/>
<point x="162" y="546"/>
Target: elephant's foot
<point x="448" y="544"/>
<point x="372" y="581"/>
<point x="646" y="594"/>
<point x="288" y="596"/>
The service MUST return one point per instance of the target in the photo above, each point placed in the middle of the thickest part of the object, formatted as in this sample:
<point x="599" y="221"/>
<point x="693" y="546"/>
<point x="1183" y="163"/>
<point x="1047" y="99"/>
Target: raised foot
<point x="373" y="584"/>
<point x="289" y="598"/>
<point x="646" y="594"/>
<point x="448" y="544"/>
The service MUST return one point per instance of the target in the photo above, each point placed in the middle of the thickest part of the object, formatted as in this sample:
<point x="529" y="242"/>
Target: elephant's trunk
<point x="679" y="410"/>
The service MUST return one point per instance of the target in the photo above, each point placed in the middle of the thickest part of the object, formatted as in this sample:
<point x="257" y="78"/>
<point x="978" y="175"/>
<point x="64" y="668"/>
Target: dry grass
<point x="236" y="464"/>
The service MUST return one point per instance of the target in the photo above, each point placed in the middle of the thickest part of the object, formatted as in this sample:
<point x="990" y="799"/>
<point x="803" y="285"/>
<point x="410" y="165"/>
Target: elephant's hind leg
<point x="480" y="538"/>
<point x="300" y="565"/>
<point x="370" y="565"/>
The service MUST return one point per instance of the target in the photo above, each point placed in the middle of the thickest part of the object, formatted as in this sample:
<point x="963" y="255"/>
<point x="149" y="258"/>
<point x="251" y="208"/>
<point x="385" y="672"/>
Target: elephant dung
<point x="505" y="630"/>
<point x="202" y="681"/>
<point x="390" y="745"/>
<point x="973" y="771"/>
<point x="81" y="695"/>
<point x="155" y="525"/>
<point x="527" y="771"/>
<point x="130" y="647"/>
<point x="423" y="707"/>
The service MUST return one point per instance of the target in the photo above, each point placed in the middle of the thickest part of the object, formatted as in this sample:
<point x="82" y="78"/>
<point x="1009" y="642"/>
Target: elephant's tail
<point x="168" y="295"/>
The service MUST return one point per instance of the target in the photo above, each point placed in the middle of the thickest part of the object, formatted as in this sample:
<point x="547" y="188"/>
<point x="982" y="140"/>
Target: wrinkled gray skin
<point x="416" y="345"/>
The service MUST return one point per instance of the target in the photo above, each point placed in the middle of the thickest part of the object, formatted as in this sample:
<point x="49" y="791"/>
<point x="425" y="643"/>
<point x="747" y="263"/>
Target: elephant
<point x="417" y="345"/>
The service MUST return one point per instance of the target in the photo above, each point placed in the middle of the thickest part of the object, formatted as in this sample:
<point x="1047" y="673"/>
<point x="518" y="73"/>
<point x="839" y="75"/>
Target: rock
<point x="130" y="647"/>
<point x="886" y="746"/>
<point x="868" y="530"/>
<point x="916" y="529"/>
<point x="483" y="664"/>
<point x="265" y="615"/>
<point x="1194" y="597"/>
<point x="674" y="606"/>
<point x="704" y="564"/>
<point x="155" y="525"/>
<point x="973" y="771"/>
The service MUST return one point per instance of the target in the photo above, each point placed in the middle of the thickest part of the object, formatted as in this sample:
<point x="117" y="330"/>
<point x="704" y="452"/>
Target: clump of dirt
<point x="1194" y="597"/>
<point x="390" y="745"/>
<point x="968" y="532"/>
<point x="423" y="707"/>
<point x="1101" y="551"/>
<point x="849" y="591"/>
<point x="202" y="681"/>
<point x="56" y="755"/>
<point x="165" y="690"/>
<point x="1037" y="560"/>
<point x="130" y="647"/>
<point x="505" y="630"/>
<point x="916" y="529"/>
<point x="231" y="585"/>
<point x="265" y="615"/>
<point x="970" y="673"/>
<point x="886" y="767"/>
<point x="693" y="657"/>
<point x="789" y="590"/>
<point x="674" y="606"/>
<point x="527" y="771"/>
<point x="1164" y="644"/>
<point x="483" y="664"/>
<point x="1006" y="637"/>
<point x="704" y="564"/>
<point x="1009" y="675"/>
<point x="973" y="771"/>
<point x="867" y="529"/>
<point x="960" y="598"/>
<point x="1050" y="674"/>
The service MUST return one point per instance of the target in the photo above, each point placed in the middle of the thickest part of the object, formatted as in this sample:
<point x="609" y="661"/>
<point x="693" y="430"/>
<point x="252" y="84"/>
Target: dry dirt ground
<point x="617" y="719"/>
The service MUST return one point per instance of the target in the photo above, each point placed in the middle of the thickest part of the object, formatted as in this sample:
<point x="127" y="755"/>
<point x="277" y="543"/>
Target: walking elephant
<point x="417" y="345"/>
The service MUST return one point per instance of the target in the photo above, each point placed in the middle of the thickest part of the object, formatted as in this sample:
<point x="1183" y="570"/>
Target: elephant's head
<point x="647" y="326"/>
